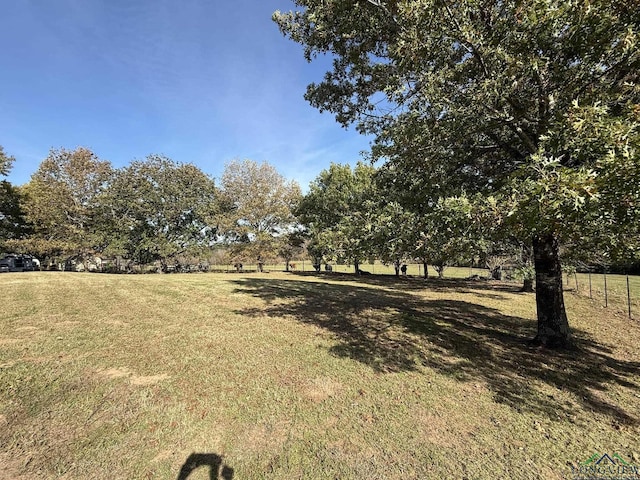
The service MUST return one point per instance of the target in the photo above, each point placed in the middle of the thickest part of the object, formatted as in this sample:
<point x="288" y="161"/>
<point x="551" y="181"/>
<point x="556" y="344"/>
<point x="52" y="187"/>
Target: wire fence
<point x="620" y="292"/>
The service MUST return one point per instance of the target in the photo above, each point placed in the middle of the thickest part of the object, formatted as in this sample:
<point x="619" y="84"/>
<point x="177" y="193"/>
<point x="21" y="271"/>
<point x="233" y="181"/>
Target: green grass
<point x="303" y="376"/>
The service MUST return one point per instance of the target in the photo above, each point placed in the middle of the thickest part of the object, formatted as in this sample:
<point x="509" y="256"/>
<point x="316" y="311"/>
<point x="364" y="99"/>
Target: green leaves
<point x="12" y="222"/>
<point x="6" y="162"/>
<point x="259" y="208"/>
<point x="156" y="209"/>
<point x="531" y="102"/>
<point x="340" y="212"/>
<point x="61" y="202"/>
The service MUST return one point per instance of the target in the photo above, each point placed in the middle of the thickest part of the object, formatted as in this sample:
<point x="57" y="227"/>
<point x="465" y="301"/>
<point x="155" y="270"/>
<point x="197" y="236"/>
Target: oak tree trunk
<point x="553" y="326"/>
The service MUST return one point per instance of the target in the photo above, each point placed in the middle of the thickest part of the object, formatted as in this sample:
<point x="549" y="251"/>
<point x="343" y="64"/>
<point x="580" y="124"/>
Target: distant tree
<point x="13" y="225"/>
<point x="6" y="162"/>
<point x="157" y="209"/>
<point x="12" y="222"/>
<point x="317" y="249"/>
<point x="60" y="204"/>
<point x="259" y="205"/>
<point x="340" y="212"/>
<point x="393" y="234"/>
<point x="539" y="98"/>
<point x="448" y="235"/>
<point x="291" y="246"/>
<point x="406" y="202"/>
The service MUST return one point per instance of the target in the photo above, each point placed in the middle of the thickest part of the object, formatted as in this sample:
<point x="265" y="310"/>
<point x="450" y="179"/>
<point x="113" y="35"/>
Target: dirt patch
<point x="11" y="468"/>
<point x="67" y="323"/>
<point x="10" y="341"/>
<point x="265" y="437"/>
<point x="27" y="328"/>
<point x="164" y="455"/>
<point x="446" y="430"/>
<point x="115" y="372"/>
<point x="320" y="389"/>
<point x="151" y="380"/>
<point x="117" y="323"/>
<point x="138" y="380"/>
<point x="56" y="358"/>
<point x="473" y="389"/>
<point x="551" y="473"/>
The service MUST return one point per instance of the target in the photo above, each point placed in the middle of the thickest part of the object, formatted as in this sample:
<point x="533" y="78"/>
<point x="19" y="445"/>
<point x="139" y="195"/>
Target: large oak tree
<point x="259" y="204"/>
<point x="60" y="204"/>
<point x="535" y="102"/>
<point x="157" y="209"/>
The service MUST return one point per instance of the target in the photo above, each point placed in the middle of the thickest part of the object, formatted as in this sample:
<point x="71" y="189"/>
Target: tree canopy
<point x="340" y="211"/>
<point x="6" y="161"/>
<point x="259" y="204"/>
<point x="152" y="211"/>
<point x="156" y="209"/>
<point x="12" y="221"/>
<point x="533" y="102"/>
<point x="60" y="203"/>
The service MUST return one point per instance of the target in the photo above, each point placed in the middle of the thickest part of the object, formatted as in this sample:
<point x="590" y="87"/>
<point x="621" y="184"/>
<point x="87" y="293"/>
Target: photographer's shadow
<point x="216" y="468"/>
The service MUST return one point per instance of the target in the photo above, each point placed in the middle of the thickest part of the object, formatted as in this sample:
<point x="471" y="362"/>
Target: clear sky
<point x="199" y="81"/>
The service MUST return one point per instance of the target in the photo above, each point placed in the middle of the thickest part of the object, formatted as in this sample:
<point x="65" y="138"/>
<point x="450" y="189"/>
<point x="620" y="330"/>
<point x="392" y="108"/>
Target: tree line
<point x="160" y="212"/>
<point x="152" y="211"/>
<point x="155" y="211"/>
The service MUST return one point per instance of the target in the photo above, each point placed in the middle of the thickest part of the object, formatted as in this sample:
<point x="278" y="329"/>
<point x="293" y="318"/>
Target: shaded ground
<point x="394" y="330"/>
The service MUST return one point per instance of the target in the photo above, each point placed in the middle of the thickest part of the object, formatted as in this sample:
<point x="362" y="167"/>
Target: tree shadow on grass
<point x="394" y="330"/>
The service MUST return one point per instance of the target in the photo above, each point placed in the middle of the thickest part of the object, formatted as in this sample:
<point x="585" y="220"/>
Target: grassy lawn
<point x="301" y="376"/>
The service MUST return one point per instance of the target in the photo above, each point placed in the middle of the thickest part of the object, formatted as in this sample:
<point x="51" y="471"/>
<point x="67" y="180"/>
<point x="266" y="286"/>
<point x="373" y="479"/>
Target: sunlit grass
<point x="304" y="376"/>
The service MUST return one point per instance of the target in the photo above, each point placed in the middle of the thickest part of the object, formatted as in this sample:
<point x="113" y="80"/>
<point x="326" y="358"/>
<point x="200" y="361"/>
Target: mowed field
<point x="290" y="376"/>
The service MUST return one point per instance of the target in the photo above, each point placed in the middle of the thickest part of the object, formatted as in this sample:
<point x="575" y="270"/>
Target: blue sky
<point x="199" y="81"/>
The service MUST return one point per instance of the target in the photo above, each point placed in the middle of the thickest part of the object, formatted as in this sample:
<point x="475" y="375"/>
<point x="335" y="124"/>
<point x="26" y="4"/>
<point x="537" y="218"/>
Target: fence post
<point x="606" y="295"/>
<point x="575" y="275"/>
<point x="628" y="296"/>
<point x="590" y="284"/>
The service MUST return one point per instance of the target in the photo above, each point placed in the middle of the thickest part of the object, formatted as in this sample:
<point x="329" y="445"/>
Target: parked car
<point x="18" y="263"/>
